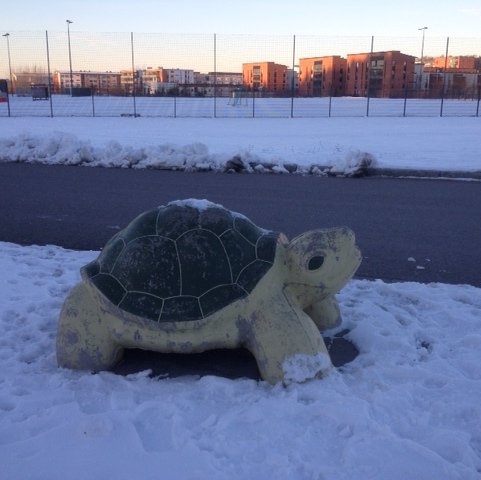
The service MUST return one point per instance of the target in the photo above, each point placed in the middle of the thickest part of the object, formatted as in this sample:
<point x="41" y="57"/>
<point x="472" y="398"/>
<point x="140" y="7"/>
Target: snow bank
<point x="269" y="144"/>
<point x="60" y="148"/>
<point x="407" y="407"/>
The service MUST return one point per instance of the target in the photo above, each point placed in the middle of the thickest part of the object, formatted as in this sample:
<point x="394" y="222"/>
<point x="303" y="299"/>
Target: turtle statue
<point x="192" y="276"/>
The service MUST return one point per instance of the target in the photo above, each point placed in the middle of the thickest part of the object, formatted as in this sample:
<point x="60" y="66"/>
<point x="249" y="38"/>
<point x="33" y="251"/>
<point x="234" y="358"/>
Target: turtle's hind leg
<point x="84" y="341"/>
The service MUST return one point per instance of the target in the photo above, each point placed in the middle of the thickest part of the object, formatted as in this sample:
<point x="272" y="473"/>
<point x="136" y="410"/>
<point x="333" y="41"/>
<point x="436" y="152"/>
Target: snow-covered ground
<point x="441" y="144"/>
<point x="407" y="407"/>
<point x="226" y="107"/>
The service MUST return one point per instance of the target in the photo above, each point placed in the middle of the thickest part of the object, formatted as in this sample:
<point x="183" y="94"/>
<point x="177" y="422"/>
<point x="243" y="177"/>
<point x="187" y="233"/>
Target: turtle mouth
<point x="355" y="259"/>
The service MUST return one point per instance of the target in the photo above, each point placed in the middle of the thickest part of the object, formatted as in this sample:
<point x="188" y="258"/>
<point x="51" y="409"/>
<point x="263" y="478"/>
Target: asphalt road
<point x="407" y="229"/>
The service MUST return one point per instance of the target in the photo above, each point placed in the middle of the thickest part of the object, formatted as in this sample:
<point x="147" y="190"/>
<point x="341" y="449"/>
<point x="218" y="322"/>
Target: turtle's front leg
<point x="84" y="341"/>
<point x="285" y="341"/>
<point x="325" y="313"/>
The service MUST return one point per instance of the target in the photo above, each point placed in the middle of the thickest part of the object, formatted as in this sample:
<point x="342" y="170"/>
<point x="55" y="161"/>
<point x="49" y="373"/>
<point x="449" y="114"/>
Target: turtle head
<point x="320" y="262"/>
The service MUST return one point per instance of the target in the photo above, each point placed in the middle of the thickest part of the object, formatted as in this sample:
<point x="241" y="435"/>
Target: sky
<point x="313" y="17"/>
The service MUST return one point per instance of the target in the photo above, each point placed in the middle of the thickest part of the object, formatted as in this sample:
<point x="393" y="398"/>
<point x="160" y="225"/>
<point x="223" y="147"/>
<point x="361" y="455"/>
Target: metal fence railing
<point x="73" y="73"/>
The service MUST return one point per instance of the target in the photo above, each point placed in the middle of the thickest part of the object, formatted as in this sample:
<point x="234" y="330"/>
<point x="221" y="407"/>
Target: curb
<point x="237" y="165"/>
<point x="413" y="173"/>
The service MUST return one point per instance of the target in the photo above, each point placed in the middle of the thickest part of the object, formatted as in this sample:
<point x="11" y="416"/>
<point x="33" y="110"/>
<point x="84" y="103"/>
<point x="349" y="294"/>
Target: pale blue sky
<point x="339" y="17"/>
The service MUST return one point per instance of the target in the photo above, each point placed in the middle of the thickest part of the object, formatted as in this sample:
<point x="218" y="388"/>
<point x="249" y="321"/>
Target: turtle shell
<point x="182" y="262"/>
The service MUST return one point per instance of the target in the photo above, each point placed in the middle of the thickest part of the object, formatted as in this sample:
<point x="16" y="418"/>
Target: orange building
<point x="268" y="76"/>
<point x="460" y="62"/>
<point x="322" y="76"/>
<point x="379" y="74"/>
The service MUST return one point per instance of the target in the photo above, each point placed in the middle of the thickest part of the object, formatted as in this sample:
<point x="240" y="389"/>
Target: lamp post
<point x="70" y="55"/>
<point x="421" y="64"/>
<point x="422" y="44"/>
<point x="7" y="35"/>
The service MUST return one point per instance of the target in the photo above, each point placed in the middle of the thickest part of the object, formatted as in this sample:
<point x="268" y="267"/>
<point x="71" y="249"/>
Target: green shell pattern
<point x="182" y="262"/>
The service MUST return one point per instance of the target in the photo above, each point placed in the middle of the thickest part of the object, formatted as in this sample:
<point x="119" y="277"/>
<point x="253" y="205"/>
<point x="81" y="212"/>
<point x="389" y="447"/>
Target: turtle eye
<point x="315" y="262"/>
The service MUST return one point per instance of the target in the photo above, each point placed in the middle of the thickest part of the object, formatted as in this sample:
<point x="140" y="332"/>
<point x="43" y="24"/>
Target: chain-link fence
<point x="175" y="75"/>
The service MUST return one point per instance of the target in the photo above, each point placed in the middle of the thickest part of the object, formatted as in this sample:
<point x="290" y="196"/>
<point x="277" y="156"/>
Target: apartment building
<point x="379" y="74"/>
<point x="451" y="83"/>
<point x="220" y="84"/>
<point x="460" y="62"/>
<point x="226" y="78"/>
<point x="179" y="76"/>
<point x="322" y="76"/>
<point x="163" y="81"/>
<point x="127" y="80"/>
<point x="453" y="77"/>
<point x="148" y="81"/>
<point x="266" y="76"/>
<point x="152" y="80"/>
<point x="101" y="82"/>
<point x="64" y="80"/>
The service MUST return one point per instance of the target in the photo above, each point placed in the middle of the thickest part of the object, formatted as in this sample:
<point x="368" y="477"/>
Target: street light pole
<point x="7" y="35"/>
<point x="422" y="44"/>
<point x="70" y="55"/>
<point x="421" y="64"/>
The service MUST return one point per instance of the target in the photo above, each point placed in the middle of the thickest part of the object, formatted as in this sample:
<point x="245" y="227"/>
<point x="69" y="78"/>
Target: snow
<point x="304" y="145"/>
<point x="406" y="407"/>
<point x="199" y="204"/>
<point x="300" y="368"/>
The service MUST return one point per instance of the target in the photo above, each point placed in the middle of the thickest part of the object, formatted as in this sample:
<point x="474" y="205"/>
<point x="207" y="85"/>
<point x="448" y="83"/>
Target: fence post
<point x="8" y="102"/>
<point x="49" y="75"/>
<point x="405" y="96"/>
<point x="293" y="82"/>
<point x="368" y="71"/>
<point x="479" y="98"/>
<point x="133" y="72"/>
<point x="444" y="77"/>
<point x="93" y="101"/>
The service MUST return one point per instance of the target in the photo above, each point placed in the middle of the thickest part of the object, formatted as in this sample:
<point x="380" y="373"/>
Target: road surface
<point x="407" y="229"/>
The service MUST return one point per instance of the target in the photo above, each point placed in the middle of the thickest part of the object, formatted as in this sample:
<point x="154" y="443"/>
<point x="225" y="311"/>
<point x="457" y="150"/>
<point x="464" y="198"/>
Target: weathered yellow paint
<point x="279" y="321"/>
